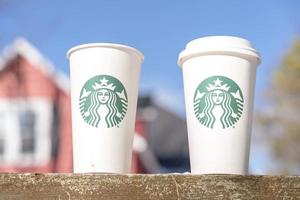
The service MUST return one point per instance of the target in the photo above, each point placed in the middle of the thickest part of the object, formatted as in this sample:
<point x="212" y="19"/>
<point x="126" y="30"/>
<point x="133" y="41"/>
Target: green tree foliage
<point x="280" y="121"/>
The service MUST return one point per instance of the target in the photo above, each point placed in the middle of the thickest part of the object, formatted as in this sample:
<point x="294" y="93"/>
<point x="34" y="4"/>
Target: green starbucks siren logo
<point x="218" y="102"/>
<point x="103" y="101"/>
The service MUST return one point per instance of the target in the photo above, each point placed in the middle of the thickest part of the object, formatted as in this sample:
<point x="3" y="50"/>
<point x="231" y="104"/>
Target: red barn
<point x="35" y="117"/>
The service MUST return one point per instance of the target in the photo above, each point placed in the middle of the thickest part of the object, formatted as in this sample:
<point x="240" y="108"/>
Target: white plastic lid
<point x="223" y="45"/>
<point x="121" y="47"/>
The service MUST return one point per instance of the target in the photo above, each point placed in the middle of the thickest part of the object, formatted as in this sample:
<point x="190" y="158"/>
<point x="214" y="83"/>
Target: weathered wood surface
<point x="169" y="186"/>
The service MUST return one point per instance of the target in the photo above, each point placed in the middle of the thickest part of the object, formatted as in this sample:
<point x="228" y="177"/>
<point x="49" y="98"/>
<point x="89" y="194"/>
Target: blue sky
<point x="160" y="29"/>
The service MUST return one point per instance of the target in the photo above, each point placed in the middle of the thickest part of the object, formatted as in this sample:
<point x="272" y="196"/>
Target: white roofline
<point x="22" y="47"/>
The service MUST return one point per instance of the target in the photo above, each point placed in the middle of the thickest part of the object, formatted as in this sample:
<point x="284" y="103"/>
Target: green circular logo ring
<point x="218" y="102"/>
<point x="103" y="101"/>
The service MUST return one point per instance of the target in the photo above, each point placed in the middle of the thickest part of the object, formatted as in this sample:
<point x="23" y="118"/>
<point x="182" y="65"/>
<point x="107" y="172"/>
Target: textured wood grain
<point x="169" y="186"/>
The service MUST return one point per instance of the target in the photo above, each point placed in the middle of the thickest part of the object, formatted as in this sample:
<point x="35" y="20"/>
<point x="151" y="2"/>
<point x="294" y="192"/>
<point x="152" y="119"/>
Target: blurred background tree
<point x="279" y="122"/>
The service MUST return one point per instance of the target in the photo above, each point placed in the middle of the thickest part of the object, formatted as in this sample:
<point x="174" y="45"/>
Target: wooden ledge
<point x="157" y="186"/>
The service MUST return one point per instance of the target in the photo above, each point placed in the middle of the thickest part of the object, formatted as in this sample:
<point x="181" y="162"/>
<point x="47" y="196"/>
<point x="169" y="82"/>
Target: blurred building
<point x="35" y="119"/>
<point x="166" y="134"/>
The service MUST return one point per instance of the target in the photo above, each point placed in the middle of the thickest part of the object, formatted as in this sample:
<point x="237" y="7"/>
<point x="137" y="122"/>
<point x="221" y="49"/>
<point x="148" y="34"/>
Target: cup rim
<point x="196" y="47"/>
<point x="128" y="49"/>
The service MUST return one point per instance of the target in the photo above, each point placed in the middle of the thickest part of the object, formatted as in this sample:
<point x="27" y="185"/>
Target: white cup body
<point x="219" y="130"/>
<point x="103" y="77"/>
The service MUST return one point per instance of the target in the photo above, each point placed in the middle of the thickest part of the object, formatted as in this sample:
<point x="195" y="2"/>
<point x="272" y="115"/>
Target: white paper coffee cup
<point x="219" y="79"/>
<point x="104" y="92"/>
